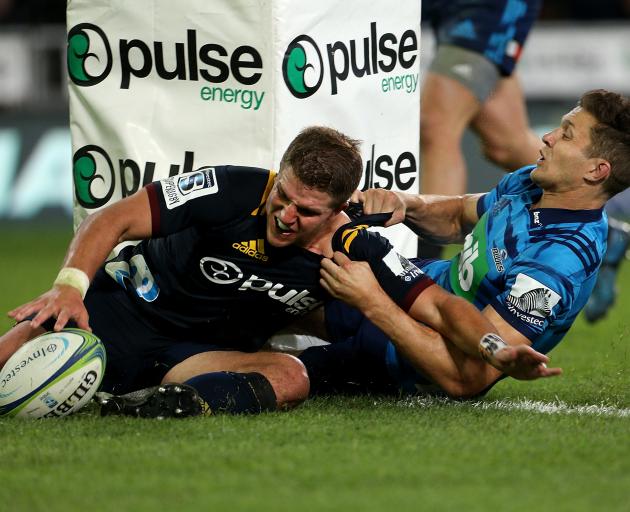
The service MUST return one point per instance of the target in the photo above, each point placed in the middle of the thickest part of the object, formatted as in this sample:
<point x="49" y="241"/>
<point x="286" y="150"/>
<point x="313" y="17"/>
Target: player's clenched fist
<point x="380" y="200"/>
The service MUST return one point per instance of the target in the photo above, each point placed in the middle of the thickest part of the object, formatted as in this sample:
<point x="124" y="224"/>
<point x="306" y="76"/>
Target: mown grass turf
<point x="337" y="453"/>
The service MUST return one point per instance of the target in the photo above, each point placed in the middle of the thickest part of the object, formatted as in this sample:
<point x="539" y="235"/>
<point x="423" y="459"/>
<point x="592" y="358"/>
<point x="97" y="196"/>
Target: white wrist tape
<point x="73" y="277"/>
<point x="489" y="345"/>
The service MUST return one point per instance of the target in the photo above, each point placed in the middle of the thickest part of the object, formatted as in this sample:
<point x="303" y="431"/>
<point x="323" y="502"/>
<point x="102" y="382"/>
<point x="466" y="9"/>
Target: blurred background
<point x="575" y="46"/>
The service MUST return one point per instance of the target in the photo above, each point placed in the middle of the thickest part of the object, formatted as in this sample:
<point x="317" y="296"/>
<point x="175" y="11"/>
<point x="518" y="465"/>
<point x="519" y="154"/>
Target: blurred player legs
<point x="470" y="84"/>
<point x="605" y="291"/>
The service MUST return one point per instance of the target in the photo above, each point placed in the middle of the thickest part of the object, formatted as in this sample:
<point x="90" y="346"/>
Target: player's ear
<point x="341" y="207"/>
<point x="600" y="170"/>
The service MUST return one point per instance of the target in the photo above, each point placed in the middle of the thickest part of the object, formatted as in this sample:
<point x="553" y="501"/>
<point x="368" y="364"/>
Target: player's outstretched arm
<point x="516" y="359"/>
<point x="441" y="219"/>
<point x="460" y="371"/>
<point x="476" y="334"/>
<point x="128" y="219"/>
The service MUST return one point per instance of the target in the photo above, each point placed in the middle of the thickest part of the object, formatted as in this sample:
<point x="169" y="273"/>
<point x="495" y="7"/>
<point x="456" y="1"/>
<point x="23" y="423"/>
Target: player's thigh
<point x="447" y="107"/>
<point x="504" y="115"/>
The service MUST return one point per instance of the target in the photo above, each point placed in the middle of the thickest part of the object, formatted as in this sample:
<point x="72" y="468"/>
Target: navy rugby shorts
<point x="359" y="359"/>
<point x="496" y="29"/>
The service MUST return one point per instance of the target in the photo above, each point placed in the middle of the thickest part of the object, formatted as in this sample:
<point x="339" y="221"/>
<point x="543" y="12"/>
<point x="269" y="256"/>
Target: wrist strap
<point x="489" y="345"/>
<point x="74" y="277"/>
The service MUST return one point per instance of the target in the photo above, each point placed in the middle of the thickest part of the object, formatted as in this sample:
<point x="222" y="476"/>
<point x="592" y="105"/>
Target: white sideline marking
<point x="523" y="405"/>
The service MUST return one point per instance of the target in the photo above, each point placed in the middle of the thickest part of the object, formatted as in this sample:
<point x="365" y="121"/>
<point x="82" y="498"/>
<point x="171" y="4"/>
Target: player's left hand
<point x="524" y="363"/>
<point x="350" y="281"/>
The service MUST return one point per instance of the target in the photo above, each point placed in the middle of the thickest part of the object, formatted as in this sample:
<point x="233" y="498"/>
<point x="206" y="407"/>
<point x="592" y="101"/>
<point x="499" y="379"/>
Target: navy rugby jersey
<point x="535" y="267"/>
<point x="208" y="268"/>
<point x="208" y="273"/>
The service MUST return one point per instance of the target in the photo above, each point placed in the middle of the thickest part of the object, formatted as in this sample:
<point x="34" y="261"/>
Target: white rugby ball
<point x="52" y="375"/>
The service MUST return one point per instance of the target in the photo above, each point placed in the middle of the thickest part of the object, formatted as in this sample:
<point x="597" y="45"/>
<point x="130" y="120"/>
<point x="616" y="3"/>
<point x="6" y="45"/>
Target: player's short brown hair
<point x="326" y="160"/>
<point x="610" y="137"/>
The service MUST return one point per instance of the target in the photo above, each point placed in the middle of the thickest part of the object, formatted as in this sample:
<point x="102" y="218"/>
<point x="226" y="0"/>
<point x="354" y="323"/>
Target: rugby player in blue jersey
<point x="471" y="83"/>
<point x="228" y="255"/>
<point x="529" y="263"/>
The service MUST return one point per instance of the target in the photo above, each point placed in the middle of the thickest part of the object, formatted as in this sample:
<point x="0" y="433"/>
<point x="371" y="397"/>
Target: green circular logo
<point x="89" y="55"/>
<point x="85" y="171"/>
<point x="303" y="67"/>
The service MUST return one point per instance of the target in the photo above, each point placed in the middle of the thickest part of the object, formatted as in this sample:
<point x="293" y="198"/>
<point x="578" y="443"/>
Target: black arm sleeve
<point x="400" y="278"/>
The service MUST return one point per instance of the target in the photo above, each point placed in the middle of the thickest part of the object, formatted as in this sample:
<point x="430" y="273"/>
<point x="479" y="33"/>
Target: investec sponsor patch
<point x="400" y="266"/>
<point x="530" y="300"/>
<point x="179" y="189"/>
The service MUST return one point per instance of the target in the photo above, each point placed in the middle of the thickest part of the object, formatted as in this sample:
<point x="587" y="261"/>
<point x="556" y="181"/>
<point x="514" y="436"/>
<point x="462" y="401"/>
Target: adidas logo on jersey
<point x="253" y="249"/>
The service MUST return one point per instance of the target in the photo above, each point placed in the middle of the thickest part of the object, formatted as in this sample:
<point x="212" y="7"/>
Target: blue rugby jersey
<point x="535" y="267"/>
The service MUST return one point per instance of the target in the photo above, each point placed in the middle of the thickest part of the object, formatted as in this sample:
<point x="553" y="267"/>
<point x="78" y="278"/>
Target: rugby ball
<point x="52" y="375"/>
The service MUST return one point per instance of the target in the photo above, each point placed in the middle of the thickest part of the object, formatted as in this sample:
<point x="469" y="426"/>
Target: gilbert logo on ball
<point x="54" y="374"/>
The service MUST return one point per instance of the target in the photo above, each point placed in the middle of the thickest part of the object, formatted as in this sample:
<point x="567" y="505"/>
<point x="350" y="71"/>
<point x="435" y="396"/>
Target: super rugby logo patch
<point x="531" y="301"/>
<point x="178" y="190"/>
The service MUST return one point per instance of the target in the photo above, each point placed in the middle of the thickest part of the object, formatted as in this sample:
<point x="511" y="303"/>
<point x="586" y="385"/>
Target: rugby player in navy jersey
<point x="529" y="263"/>
<point x="228" y="256"/>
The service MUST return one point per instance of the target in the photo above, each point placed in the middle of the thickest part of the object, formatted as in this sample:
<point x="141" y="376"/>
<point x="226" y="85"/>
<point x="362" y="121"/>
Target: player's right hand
<point x="524" y="363"/>
<point x="380" y="200"/>
<point x="62" y="302"/>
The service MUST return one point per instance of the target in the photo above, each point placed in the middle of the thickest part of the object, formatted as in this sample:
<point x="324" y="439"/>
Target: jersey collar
<point x="545" y="216"/>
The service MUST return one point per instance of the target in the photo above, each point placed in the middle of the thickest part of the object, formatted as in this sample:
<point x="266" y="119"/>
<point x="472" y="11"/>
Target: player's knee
<point x="462" y="387"/>
<point x="434" y="133"/>
<point x="430" y="128"/>
<point x="499" y="153"/>
<point x="510" y="151"/>
<point x="289" y="379"/>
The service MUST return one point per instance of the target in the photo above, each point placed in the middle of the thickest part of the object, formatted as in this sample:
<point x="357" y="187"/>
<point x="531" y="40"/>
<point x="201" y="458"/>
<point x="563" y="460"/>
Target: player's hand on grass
<point x="523" y="362"/>
<point x="62" y="302"/>
<point x="380" y="200"/>
<point x="350" y="281"/>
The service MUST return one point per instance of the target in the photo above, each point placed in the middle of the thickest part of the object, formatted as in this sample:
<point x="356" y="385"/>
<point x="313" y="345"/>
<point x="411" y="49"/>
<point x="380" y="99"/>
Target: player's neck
<point x="322" y="243"/>
<point x="573" y="200"/>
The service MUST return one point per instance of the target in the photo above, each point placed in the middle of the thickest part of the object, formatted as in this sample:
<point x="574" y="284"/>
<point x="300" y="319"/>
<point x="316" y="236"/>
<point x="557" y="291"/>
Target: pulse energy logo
<point x="85" y="43"/>
<point x="303" y="66"/>
<point x="96" y="176"/>
<point x="91" y="59"/>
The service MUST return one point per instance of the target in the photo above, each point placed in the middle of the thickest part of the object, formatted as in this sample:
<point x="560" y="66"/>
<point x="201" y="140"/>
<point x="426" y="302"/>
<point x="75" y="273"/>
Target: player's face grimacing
<point x="296" y="214"/>
<point x="564" y="158"/>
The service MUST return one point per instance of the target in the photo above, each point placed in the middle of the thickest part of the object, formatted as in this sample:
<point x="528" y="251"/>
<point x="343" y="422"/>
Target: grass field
<point x="561" y="444"/>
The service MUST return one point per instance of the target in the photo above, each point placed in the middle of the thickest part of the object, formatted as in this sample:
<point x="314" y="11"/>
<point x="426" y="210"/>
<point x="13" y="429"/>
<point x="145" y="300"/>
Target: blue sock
<point x="235" y="393"/>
